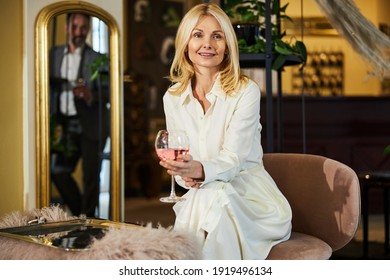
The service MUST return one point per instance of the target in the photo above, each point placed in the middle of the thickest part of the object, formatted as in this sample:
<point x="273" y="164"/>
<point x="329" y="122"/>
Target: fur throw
<point x="144" y="243"/>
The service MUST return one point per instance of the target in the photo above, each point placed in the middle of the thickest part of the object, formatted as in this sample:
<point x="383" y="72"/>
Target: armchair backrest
<point x="324" y="195"/>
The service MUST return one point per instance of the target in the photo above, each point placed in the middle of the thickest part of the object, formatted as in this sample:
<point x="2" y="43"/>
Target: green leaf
<point x="282" y="50"/>
<point x="97" y="64"/>
<point x="301" y="48"/>
<point x="94" y="75"/>
<point x="275" y="7"/>
<point x="279" y="62"/>
<point x="284" y="8"/>
<point x="387" y="150"/>
<point x="229" y="4"/>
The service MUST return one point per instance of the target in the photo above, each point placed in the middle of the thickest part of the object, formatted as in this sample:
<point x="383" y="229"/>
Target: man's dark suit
<point x="84" y="134"/>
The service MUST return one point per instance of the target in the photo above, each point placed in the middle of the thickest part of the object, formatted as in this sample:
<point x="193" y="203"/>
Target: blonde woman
<point x="232" y="205"/>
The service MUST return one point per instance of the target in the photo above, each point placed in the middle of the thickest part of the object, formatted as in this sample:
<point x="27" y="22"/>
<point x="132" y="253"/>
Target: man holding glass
<point x="79" y="117"/>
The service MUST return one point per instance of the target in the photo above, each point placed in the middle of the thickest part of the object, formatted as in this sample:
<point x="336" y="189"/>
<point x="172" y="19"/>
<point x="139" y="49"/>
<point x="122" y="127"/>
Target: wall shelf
<point x="323" y="75"/>
<point x="258" y="60"/>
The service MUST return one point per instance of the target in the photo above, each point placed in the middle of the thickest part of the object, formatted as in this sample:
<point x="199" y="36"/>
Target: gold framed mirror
<point x="43" y="182"/>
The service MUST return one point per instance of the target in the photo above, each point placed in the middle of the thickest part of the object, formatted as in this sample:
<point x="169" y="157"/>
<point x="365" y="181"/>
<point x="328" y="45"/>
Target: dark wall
<point x="151" y="29"/>
<point x="353" y="130"/>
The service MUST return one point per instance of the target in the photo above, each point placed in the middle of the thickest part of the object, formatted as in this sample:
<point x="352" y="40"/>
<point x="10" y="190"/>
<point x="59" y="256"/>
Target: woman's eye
<point x="217" y="36"/>
<point x="197" y="35"/>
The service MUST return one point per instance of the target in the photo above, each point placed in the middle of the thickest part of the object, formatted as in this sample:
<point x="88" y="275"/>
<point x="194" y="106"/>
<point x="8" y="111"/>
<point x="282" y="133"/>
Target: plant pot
<point x="248" y="32"/>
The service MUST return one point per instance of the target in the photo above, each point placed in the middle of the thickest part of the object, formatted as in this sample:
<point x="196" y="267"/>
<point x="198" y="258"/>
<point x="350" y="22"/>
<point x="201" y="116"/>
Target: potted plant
<point x="248" y="17"/>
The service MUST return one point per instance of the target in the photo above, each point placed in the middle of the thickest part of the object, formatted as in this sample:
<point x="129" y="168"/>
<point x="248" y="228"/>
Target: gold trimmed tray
<point x="71" y="235"/>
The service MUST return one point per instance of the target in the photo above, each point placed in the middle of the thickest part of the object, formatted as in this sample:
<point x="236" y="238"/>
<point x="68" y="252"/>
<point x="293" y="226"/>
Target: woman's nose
<point x="206" y="44"/>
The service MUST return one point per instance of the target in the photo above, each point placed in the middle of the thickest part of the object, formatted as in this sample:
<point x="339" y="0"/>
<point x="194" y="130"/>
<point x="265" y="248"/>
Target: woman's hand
<point x="191" y="171"/>
<point x="191" y="182"/>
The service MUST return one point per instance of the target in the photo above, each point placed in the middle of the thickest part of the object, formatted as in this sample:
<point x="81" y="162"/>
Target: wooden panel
<point x="352" y="130"/>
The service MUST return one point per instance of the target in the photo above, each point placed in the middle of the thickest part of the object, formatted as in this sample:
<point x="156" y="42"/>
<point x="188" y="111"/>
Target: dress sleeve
<point x="241" y="142"/>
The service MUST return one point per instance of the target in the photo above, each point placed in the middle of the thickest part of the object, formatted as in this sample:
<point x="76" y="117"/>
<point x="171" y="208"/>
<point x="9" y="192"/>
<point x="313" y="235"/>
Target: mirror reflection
<point x="79" y="109"/>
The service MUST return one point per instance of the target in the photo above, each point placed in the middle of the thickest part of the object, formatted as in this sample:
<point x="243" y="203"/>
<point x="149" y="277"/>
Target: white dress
<point x="238" y="205"/>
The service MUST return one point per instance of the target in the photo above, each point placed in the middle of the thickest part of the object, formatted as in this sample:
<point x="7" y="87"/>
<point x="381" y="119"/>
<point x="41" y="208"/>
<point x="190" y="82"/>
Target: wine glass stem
<point x="173" y="193"/>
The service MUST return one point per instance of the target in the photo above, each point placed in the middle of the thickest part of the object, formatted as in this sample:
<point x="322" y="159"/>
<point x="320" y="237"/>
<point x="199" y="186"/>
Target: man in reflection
<point x="79" y="114"/>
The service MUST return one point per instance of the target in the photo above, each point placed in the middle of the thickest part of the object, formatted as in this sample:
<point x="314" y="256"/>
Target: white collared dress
<point x="239" y="205"/>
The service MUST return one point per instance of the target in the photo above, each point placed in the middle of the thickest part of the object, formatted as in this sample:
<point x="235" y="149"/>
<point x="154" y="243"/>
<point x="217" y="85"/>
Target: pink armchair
<point x="324" y="195"/>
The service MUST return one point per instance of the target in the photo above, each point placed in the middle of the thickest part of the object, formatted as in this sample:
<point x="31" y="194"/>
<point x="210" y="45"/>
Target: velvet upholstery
<point x="324" y="195"/>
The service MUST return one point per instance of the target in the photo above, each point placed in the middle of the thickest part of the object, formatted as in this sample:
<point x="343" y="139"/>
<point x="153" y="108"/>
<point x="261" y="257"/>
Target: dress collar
<point x="216" y="90"/>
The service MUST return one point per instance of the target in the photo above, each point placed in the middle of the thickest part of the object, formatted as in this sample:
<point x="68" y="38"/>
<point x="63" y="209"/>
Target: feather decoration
<point x="364" y="37"/>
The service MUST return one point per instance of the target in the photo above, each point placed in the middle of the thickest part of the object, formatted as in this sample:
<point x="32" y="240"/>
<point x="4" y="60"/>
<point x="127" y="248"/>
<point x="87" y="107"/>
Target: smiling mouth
<point x="207" y="54"/>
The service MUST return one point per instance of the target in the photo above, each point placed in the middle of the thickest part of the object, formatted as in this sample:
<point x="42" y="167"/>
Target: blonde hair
<point x="182" y="69"/>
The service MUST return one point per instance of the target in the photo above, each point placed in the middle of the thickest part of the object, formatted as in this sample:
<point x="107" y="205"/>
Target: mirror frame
<point x="42" y="102"/>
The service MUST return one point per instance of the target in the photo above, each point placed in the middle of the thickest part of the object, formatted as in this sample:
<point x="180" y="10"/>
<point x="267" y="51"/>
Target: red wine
<point x="165" y="154"/>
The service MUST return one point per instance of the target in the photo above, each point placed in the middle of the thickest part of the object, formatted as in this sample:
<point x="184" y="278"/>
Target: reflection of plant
<point x="253" y="12"/>
<point x="98" y="65"/>
<point x="57" y="144"/>
<point x="387" y="150"/>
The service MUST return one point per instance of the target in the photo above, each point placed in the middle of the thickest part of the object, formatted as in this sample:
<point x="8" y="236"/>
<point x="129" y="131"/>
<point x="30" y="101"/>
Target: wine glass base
<point x="171" y="199"/>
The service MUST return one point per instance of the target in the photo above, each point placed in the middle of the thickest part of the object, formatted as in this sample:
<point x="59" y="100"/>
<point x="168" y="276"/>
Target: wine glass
<point x="169" y="145"/>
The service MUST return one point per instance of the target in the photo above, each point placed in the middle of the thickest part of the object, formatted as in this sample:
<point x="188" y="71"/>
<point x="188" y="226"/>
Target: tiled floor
<point x="149" y="210"/>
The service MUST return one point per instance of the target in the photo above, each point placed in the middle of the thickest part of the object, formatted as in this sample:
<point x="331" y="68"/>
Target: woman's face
<point x="207" y="45"/>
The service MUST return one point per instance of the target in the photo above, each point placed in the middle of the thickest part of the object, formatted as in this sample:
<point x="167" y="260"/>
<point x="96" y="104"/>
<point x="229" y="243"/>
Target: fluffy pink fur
<point x="144" y="243"/>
